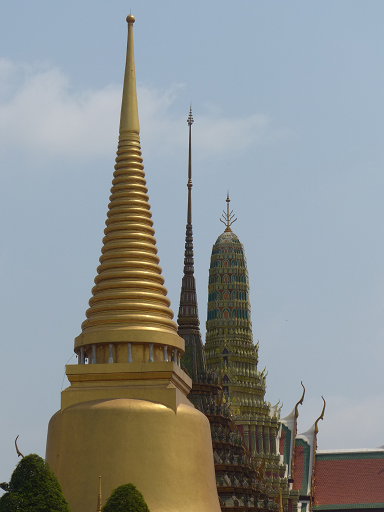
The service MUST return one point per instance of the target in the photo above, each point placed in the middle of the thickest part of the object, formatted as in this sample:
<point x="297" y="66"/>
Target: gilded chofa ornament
<point x="296" y="415"/>
<point x="19" y="454"/>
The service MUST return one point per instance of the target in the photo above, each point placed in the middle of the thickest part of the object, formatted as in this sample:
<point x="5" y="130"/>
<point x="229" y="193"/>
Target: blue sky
<point x="288" y="105"/>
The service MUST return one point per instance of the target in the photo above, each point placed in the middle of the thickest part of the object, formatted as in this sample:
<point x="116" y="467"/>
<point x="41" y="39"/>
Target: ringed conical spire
<point x="129" y="302"/>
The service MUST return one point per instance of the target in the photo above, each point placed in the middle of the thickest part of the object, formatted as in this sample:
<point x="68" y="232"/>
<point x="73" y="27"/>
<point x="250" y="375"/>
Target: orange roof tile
<point x="349" y="478"/>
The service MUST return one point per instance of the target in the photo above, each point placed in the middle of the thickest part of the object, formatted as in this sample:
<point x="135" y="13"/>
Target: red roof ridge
<point x="351" y="450"/>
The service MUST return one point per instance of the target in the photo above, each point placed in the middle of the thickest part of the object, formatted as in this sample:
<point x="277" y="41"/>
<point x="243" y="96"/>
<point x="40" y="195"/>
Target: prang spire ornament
<point x="193" y="361"/>
<point x="227" y="217"/>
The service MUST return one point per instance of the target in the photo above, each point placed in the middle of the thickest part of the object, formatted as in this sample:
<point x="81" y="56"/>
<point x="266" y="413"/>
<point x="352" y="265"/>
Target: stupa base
<point x="163" y="449"/>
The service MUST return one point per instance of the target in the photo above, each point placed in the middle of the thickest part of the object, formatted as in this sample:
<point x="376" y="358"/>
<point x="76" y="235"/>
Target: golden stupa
<point x="125" y="415"/>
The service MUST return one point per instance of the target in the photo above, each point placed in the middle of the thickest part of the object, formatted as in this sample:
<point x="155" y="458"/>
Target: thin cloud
<point x="44" y="115"/>
<point x="41" y="113"/>
<point x="222" y="135"/>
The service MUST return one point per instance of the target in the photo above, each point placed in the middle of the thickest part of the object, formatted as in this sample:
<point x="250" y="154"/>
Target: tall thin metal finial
<point x="227" y="217"/>
<point x="189" y="184"/>
<point x="99" y="500"/>
<point x="188" y="317"/>
<point x="129" y="116"/>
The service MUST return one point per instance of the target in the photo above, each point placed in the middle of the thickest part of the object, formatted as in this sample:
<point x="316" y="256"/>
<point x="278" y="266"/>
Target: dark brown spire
<point x="188" y="317"/>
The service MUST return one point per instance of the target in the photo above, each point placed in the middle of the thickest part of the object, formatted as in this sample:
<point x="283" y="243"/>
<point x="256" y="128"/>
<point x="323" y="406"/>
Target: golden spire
<point x="227" y="217"/>
<point x="129" y="302"/>
<point x="99" y="500"/>
<point x="129" y="117"/>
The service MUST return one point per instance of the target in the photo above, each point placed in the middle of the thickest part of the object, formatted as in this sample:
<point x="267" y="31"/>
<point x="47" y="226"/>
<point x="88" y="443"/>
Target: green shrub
<point x="8" y="502"/>
<point x="126" y="498"/>
<point x="33" y="488"/>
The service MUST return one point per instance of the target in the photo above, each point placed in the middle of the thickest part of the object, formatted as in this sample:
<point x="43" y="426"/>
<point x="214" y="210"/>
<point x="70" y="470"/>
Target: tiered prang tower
<point x="229" y="348"/>
<point x="229" y="340"/>
<point x="125" y="415"/>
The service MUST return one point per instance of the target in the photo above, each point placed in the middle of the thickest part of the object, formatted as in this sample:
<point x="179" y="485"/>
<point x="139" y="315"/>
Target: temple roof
<point x="349" y="479"/>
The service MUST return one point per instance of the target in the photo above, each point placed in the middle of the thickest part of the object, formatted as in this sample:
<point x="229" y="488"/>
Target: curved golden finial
<point x="227" y="217"/>
<point x="321" y="417"/>
<point x="293" y="456"/>
<point x="300" y="402"/>
<point x="19" y="454"/>
<point x="316" y="430"/>
<point x="129" y="302"/>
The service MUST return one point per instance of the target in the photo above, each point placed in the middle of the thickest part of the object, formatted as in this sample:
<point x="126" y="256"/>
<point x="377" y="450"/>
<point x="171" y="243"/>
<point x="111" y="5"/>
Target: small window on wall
<point x="226" y="296"/>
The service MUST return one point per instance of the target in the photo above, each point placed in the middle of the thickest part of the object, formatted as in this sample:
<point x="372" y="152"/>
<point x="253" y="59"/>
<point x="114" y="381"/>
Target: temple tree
<point x="126" y="498"/>
<point x="33" y="488"/>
